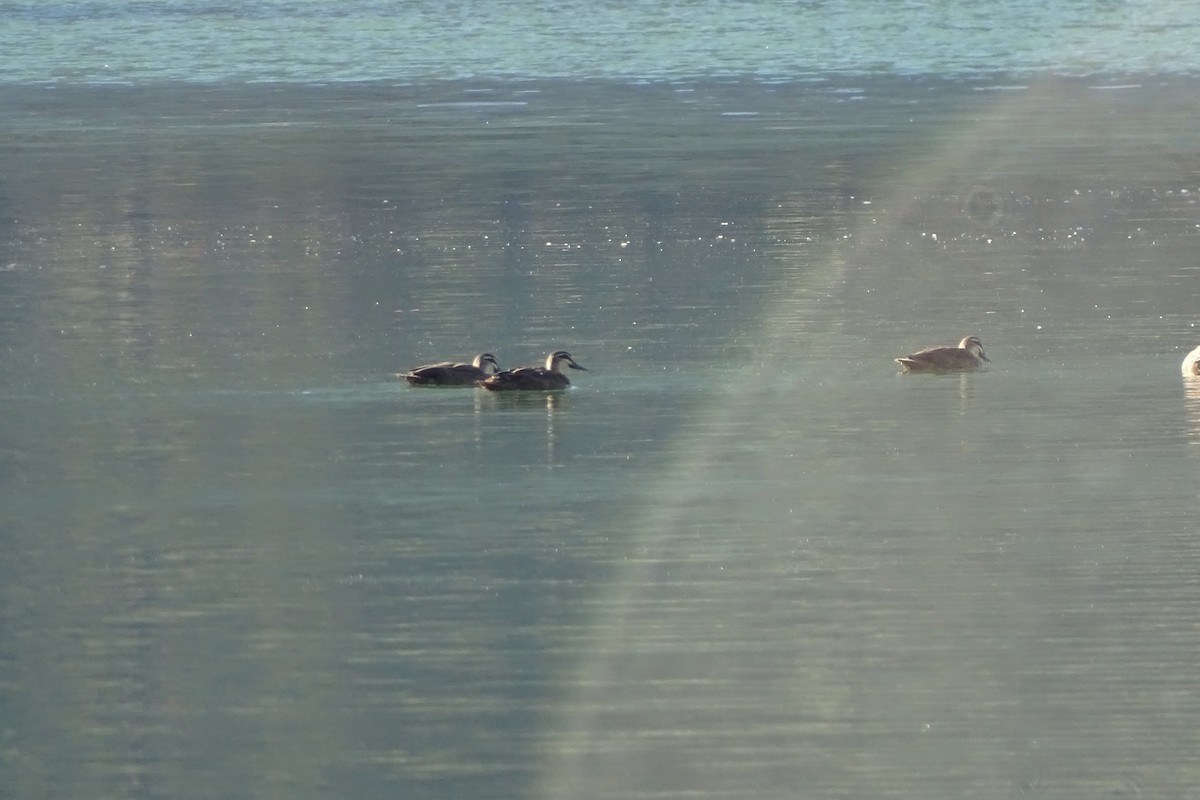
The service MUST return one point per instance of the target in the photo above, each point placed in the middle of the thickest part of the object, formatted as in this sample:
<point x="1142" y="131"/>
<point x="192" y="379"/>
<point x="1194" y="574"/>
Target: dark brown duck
<point x="453" y="373"/>
<point x="546" y="378"/>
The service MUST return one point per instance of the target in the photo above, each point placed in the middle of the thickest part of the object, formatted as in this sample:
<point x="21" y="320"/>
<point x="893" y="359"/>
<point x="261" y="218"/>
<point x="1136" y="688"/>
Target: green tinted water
<point x="743" y="557"/>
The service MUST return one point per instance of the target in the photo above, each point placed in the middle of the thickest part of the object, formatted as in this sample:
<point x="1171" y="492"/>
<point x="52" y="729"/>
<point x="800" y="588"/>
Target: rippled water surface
<point x="742" y="557"/>
<point x="306" y="41"/>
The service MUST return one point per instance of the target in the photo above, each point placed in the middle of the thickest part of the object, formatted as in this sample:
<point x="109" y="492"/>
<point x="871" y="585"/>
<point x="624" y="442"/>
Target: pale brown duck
<point x="967" y="357"/>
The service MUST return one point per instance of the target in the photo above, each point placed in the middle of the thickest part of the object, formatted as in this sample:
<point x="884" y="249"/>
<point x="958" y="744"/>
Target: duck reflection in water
<point x="967" y="357"/>
<point x="548" y="378"/>
<point x="451" y="373"/>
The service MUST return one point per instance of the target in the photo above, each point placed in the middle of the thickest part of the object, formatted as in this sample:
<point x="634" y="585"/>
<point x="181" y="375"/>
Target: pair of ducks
<point x="485" y="372"/>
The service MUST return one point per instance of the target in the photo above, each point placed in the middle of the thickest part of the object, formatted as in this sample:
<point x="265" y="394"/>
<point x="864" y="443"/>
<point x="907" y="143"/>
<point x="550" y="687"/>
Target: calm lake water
<point x="743" y="557"/>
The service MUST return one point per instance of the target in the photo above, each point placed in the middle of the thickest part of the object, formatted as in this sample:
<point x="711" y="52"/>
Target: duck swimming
<point x="966" y="357"/>
<point x="547" y="378"/>
<point x="453" y="373"/>
<point x="1191" y="364"/>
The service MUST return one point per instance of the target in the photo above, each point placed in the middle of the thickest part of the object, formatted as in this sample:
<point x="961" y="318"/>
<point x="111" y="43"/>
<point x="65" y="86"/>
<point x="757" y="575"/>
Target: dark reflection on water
<point x="741" y="557"/>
